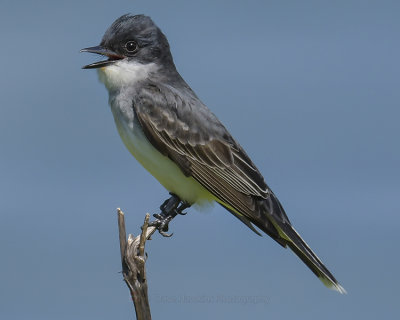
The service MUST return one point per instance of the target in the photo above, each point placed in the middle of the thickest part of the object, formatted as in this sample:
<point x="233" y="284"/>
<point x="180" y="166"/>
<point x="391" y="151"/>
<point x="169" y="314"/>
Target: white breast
<point x="122" y="74"/>
<point x="160" y="166"/>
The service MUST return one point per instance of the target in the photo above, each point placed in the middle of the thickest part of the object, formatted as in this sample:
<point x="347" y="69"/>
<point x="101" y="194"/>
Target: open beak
<point x="112" y="57"/>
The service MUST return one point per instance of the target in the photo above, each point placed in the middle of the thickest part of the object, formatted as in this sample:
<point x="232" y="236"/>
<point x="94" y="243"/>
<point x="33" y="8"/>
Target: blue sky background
<point x="317" y="82"/>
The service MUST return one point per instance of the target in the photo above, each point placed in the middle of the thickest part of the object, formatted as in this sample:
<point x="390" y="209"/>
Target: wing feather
<point x="182" y="128"/>
<point x="187" y="132"/>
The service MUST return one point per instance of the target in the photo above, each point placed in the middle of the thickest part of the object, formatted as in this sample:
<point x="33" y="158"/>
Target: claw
<point x="169" y="210"/>
<point x="184" y="205"/>
<point x="166" y="235"/>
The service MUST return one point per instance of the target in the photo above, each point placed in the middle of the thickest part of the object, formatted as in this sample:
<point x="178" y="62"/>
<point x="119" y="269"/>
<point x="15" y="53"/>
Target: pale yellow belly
<point x="160" y="166"/>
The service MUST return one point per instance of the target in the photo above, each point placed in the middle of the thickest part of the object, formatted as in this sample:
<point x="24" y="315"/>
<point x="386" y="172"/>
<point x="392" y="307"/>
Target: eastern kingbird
<point x="181" y="142"/>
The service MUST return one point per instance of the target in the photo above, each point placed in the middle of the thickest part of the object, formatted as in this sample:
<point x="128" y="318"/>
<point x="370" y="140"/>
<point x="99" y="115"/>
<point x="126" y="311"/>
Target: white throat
<point x="124" y="73"/>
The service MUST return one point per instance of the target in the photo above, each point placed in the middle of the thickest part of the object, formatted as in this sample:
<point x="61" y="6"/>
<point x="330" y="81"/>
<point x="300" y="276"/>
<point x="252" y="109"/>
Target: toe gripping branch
<point x="169" y="210"/>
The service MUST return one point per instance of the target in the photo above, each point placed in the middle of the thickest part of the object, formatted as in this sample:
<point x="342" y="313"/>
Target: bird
<point x="175" y="137"/>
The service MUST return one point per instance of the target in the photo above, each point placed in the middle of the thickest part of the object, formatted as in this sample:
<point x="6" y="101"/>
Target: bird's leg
<point x="169" y="210"/>
<point x="182" y="206"/>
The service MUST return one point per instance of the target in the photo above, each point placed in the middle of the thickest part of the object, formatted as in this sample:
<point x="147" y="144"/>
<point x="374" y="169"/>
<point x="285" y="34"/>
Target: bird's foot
<point x="182" y="206"/>
<point x="162" y="224"/>
<point x="169" y="210"/>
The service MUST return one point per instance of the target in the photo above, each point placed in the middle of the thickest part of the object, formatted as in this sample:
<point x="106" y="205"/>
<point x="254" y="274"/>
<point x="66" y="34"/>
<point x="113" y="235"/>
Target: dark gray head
<point x="135" y="38"/>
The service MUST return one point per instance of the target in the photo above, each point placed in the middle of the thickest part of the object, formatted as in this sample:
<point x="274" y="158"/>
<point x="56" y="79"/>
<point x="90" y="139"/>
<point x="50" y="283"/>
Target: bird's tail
<point x="273" y="220"/>
<point x="303" y="251"/>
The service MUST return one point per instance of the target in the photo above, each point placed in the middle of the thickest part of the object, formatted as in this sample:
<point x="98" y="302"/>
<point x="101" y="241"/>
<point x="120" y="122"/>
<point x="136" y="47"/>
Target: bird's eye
<point x="131" y="46"/>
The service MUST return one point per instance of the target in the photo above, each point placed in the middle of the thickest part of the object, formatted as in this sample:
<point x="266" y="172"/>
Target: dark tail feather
<point x="303" y="251"/>
<point x="275" y="213"/>
<point x="271" y="218"/>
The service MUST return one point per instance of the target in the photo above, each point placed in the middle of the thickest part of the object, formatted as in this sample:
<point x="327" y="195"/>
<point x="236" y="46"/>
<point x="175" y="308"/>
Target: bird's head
<point x="132" y="38"/>
<point x="135" y="49"/>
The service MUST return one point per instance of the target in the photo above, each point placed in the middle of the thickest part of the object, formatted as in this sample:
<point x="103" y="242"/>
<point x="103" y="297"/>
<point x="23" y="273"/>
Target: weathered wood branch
<point x="133" y="260"/>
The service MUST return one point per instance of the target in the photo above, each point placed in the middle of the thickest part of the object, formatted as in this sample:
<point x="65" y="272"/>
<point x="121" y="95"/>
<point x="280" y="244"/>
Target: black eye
<point x="131" y="46"/>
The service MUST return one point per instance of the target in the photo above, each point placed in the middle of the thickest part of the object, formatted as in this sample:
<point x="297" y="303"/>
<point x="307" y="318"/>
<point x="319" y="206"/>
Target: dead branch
<point x="133" y="260"/>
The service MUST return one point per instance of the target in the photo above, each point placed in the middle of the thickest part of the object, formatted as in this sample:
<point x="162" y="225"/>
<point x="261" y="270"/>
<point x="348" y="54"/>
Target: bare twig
<point x="133" y="265"/>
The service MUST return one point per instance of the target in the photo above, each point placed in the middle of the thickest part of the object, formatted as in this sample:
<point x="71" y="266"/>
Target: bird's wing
<point x="186" y="131"/>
